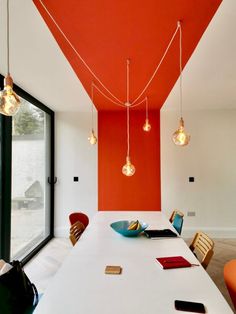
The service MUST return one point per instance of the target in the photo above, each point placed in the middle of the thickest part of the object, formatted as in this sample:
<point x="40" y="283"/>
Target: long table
<point x="81" y="286"/>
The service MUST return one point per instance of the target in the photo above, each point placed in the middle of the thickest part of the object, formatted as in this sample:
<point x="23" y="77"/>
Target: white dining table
<point x="82" y="287"/>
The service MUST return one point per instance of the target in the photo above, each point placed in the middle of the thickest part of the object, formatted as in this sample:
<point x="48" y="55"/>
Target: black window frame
<point x="6" y="178"/>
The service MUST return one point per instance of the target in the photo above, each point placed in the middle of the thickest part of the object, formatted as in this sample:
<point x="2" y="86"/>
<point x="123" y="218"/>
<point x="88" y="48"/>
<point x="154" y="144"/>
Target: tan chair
<point x="202" y="247"/>
<point x="75" y="231"/>
<point x="176" y="211"/>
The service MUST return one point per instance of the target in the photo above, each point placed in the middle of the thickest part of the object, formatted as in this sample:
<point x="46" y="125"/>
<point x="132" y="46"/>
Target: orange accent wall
<point x="141" y="191"/>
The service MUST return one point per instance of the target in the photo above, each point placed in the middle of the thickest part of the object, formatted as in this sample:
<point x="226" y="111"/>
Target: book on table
<point x="173" y="262"/>
<point x="163" y="233"/>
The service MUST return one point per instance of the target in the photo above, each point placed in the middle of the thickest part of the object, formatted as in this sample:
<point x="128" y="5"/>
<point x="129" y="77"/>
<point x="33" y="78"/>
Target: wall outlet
<point x="191" y="214"/>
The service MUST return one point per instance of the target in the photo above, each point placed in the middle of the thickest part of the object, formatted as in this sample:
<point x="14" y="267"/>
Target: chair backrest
<point x="178" y="223"/>
<point x="230" y="279"/>
<point x="78" y="216"/>
<point x="202" y="246"/>
<point x="176" y="211"/>
<point x="75" y="231"/>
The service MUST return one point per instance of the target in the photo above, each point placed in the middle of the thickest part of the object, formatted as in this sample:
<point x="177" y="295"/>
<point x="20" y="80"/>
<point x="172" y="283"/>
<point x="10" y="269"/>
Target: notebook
<point x="164" y="233"/>
<point x="173" y="262"/>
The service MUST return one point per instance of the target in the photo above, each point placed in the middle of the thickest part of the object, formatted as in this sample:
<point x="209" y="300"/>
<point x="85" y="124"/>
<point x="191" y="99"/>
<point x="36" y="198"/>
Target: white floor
<point x="45" y="264"/>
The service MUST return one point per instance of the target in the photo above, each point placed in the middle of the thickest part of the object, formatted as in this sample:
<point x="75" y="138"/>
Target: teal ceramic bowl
<point x="122" y="228"/>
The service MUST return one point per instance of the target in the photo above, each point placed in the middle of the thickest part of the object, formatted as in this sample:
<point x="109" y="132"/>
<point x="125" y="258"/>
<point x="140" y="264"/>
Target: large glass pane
<point x="30" y="169"/>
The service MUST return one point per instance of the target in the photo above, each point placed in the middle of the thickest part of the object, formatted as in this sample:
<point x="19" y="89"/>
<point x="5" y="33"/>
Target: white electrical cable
<point x="158" y="66"/>
<point x="76" y="52"/>
<point x="128" y="131"/>
<point x="139" y="103"/>
<point x="111" y="100"/>
<point x="119" y="102"/>
<point x="127" y="81"/>
<point x="8" y="40"/>
<point x="146" y="108"/>
<point x="92" y="94"/>
<point x="180" y="68"/>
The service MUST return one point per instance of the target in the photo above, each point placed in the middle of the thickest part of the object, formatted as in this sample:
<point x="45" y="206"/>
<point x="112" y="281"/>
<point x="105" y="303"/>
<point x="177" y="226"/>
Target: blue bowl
<point x="122" y="228"/>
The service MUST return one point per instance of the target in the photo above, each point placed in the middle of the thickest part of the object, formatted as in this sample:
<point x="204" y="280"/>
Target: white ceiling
<point x="39" y="67"/>
<point x="37" y="63"/>
<point x="209" y="78"/>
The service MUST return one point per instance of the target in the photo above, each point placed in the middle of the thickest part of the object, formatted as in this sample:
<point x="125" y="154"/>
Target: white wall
<point x="211" y="159"/>
<point x="74" y="157"/>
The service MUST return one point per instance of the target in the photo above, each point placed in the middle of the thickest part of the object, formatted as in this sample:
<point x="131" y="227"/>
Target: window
<point x="27" y="151"/>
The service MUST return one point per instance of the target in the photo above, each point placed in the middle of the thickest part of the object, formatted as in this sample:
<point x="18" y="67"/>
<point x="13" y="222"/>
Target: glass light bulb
<point x="128" y="169"/>
<point x="92" y="139"/>
<point x="147" y="126"/>
<point x="9" y="101"/>
<point x="180" y="137"/>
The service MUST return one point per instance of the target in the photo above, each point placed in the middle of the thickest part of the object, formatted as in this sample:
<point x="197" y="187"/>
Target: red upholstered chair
<point x="230" y="279"/>
<point x="78" y="216"/>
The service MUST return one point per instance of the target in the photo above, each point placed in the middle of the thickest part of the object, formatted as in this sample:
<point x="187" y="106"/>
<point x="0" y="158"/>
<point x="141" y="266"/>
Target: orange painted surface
<point x="107" y="32"/>
<point x="141" y="191"/>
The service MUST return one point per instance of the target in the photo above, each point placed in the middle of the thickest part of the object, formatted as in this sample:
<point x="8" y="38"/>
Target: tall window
<point x="29" y="203"/>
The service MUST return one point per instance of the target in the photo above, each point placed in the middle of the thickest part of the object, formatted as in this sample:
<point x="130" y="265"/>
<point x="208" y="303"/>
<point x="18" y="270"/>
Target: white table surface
<point x="81" y="286"/>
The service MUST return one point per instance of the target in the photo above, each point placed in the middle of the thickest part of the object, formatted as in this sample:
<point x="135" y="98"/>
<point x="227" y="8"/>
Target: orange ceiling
<point x="106" y="33"/>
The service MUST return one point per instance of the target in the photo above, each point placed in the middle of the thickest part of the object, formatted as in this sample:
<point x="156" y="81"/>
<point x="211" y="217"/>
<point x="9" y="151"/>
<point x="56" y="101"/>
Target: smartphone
<point x="189" y="306"/>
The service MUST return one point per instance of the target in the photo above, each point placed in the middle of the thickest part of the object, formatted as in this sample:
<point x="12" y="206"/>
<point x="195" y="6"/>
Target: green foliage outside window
<point x="28" y="120"/>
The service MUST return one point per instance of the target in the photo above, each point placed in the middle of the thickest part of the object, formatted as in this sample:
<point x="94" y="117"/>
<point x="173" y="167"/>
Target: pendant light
<point x="92" y="138"/>
<point x="128" y="169"/>
<point x="147" y="126"/>
<point x="180" y="137"/>
<point x="9" y="101"/>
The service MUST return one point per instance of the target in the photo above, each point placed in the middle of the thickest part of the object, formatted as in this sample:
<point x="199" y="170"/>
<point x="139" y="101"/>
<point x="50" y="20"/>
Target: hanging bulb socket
<point x="92" y="139"/>
<point x="8" y="81"/>
<point x="9" y="101"/>
<point x="180" y="137"/>
<point x="147" y="126"/>
<point x="128" y="169"/>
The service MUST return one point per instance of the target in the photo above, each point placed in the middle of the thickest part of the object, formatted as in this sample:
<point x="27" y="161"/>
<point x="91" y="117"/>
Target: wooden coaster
<point x="113" y="270"/>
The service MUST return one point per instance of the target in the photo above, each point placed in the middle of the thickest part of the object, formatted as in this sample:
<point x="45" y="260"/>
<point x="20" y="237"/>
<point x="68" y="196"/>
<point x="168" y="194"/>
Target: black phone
<point x="189" y="306"/>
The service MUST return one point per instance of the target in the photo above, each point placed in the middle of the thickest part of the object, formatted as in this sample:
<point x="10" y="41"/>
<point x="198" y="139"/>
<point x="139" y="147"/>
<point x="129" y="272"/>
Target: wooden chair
<point x="202" y="247"/>
<point x="75" y="231"/>
<point x="230" y="279"/>
<point x="78" y="216"/>
<point x="172" y="217"/>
